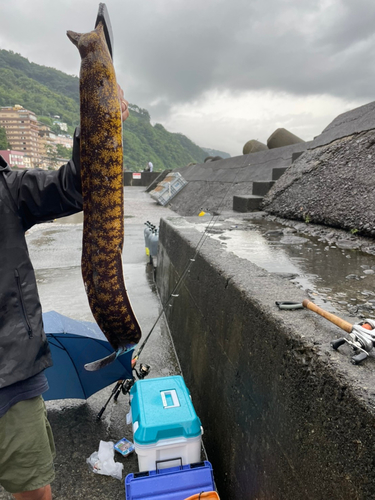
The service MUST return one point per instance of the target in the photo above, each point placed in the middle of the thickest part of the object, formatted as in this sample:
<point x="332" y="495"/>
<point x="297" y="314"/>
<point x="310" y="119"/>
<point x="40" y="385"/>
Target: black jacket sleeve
<point x="43" y="195"/>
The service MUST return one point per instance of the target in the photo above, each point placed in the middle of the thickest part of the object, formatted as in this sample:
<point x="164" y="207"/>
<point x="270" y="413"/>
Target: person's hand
<point x="124" y="103"/>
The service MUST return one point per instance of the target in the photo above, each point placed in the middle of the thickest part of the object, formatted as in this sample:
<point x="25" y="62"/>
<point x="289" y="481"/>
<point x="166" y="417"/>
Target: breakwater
<point x="285" y="416"/>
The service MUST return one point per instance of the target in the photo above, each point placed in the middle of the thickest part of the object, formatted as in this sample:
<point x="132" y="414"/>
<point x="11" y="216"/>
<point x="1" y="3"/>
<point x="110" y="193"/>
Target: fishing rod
<point x="124" y="386"/>
<point x="186" y="270"/>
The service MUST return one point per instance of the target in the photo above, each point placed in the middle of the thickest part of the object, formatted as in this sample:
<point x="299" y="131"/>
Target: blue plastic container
<point x="176" y="483"/>
<point x="165" y="424"/>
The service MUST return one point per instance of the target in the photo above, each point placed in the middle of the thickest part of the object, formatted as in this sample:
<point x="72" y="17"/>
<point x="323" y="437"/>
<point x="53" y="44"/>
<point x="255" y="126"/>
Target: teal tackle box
<point x="166" y="428"/>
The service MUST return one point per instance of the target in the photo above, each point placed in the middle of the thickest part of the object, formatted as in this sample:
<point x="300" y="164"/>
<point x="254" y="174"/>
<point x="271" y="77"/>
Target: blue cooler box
<point x="166" y="429"/>
<point x="176" y="483"/>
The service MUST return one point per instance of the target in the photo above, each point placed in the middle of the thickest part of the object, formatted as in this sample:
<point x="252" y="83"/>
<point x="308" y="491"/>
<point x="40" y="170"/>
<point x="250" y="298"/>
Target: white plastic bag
<point x="102" y="461"/>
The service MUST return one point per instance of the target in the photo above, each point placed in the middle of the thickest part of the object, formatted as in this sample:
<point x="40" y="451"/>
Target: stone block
<point x="277" y="173"/>
<point x="246" y="203"/>
<point x="261" y="188"/>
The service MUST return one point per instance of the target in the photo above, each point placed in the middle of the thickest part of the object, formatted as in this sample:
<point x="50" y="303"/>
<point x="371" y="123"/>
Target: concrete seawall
<point x="211" y="186"/>
<point x="284" y="415"/>
<point x="333" y="182"/>
<point x="142" y="179"/>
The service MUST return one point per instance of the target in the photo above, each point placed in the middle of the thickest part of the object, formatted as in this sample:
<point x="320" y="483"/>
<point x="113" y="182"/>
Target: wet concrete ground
<point x="337" y="274"/>
<point x="55" y="250"/>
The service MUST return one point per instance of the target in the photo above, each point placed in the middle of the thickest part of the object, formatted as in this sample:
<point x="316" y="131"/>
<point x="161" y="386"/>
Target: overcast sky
<point x="221" y="72"/>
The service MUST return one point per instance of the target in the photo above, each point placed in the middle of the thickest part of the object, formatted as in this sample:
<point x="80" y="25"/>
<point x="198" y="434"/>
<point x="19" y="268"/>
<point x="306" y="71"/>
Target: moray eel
<point x="103" y="196"/>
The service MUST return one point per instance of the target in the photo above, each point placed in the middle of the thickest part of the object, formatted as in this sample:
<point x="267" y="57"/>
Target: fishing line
<point x="186" y="270"/>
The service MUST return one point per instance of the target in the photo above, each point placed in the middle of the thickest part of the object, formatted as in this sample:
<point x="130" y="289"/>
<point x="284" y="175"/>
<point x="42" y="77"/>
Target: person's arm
<point x="42" y="195"/>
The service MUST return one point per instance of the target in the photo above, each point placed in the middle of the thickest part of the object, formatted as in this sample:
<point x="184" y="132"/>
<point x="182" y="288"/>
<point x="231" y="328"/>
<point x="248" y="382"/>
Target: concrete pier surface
<point x="55" y="250"/>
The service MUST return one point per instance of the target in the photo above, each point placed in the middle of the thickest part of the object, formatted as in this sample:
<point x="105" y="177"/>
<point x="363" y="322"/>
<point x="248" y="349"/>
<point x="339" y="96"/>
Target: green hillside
<point x="48" y="92"/>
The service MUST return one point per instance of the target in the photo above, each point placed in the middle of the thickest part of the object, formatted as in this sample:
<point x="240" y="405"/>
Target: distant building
<point x="15" y="158"/>
<point x="32" y="138"/>
<point x="47" y="148"/>
<point x="21" y="128"/>
<point x="63" y="126"/>
<point x="64" y="140"/>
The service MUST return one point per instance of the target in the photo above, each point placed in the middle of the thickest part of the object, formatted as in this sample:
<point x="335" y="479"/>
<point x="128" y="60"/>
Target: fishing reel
<point x="127" y="384"/>
<point x="362" y="340"/>
<point x="124" y="386"/>
<point x="144" y="370"/>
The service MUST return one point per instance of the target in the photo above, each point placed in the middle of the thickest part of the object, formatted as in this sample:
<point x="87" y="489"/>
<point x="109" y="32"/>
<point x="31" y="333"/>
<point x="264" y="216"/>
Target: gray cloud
<point x="169" y="52"/>
<point x="289" y="46"/>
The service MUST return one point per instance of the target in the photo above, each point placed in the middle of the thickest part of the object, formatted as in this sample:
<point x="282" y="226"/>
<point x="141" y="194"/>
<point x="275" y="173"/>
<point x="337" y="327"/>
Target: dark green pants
<point x="27" y="448"/>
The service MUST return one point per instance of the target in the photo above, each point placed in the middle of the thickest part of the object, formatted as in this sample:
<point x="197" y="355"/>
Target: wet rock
<point x="347" y="244"/>
<point x="293" y="240"/>
<point x="331" y="235"/>
<point x="365" y="307"/>
<point x="352" y="277"/>
<point x="353" y="310"/>
<point x="287" y="276"/>
<point x="274" y="232"/>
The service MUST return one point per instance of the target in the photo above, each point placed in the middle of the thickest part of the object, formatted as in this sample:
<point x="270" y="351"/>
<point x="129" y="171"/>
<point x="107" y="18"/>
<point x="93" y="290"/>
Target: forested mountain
<point x="49" y="92"/>
<point x="216" y="152"/>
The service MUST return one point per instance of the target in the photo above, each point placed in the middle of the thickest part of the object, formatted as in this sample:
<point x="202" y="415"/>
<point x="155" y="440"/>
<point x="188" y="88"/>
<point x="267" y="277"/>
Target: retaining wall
<point x="212" y="185"/>
<point x="284" y="416"/>
<point x="145" y="179"/>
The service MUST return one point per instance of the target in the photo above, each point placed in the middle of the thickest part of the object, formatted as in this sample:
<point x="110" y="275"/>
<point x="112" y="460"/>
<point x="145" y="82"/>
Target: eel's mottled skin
<point x="102" y="190"/>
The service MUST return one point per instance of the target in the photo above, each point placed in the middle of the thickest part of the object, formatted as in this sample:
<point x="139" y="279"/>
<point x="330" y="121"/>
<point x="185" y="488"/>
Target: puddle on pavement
<point x="71" y="219"/>
<point x="344" y="278"/>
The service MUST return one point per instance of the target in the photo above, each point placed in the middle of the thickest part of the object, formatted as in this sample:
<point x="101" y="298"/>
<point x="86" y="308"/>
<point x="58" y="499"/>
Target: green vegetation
<point x="45" y="91"/>
<point x="49" y="92"/>
<point x="63" y="152"/>
<point x="4" y="144"/>
<point x="216" y="152"/>
<point x="144" y="142"/>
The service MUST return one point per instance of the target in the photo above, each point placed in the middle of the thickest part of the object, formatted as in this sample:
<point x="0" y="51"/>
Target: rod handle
<point x="344" y="325"/>
<point x="99" y="415"/>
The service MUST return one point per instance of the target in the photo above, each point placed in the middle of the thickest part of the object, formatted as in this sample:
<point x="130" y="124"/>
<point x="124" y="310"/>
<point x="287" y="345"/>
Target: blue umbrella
<point x="73" y="344"/>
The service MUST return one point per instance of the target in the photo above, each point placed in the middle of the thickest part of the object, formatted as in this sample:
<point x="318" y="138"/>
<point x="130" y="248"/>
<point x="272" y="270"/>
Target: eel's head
<point x="87" y="42"/>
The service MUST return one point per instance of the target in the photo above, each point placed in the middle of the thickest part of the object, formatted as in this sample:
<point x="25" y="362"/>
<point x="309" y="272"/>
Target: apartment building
<point x="22" y="131"/>
<point x="15" y="158"/>
<point x="64" y="140"/>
